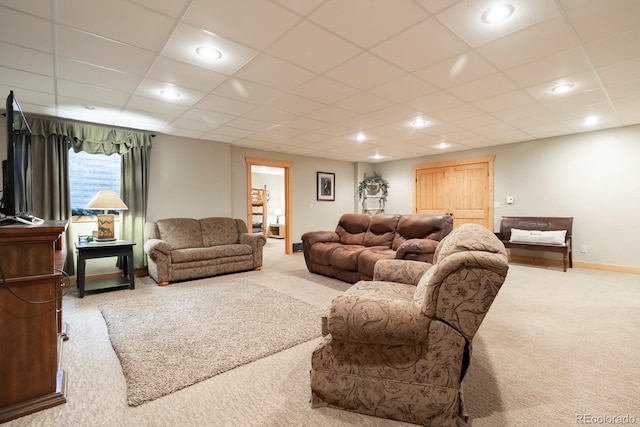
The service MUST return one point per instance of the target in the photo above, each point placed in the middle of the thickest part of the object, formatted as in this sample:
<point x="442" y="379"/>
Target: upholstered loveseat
<point x="398" y="347"/>
<point x="350" y="252"/>
<point x="187" y="248"/>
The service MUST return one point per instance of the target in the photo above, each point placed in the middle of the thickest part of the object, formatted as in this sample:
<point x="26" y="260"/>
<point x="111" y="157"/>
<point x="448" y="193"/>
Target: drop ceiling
<point x="338" y="79"/>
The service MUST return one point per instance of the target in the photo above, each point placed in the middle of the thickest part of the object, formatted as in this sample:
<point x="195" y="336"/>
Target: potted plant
<point x="373" y="185"/>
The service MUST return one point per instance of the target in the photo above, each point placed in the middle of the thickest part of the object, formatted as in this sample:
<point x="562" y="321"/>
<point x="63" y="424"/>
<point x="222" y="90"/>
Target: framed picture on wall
<point x="326" y="188"/>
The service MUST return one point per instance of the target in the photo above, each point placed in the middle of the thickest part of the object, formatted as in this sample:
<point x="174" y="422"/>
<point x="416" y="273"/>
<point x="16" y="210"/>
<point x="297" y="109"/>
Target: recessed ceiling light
<point x="563" y="88"/>
<point x="209" y="52"/>
<point x="361" y="137"/>
<point x="419" y="123"/>
<point x="591" y="120"/>
<point x="170" y="94"/>
<point x="443" y="145"/>
<point x="497" y="13"/>
<point x="377" y="157"/>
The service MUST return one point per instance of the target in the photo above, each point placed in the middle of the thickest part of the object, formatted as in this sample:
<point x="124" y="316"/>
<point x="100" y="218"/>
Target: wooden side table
<point x="89" y="250"/>
<point x="276" y="231"/>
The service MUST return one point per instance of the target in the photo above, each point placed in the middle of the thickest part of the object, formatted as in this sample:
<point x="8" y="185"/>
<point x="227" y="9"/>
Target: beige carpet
<point x="553" y="346"/>
<point x="169" y="341"/>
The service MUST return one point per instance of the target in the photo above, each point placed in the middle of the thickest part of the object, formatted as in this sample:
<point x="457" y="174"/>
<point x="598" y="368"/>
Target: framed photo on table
<point x="326" y="187"/>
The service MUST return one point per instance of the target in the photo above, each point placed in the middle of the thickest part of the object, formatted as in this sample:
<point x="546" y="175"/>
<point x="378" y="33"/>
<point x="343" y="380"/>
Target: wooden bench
<point x="507" y="223"/>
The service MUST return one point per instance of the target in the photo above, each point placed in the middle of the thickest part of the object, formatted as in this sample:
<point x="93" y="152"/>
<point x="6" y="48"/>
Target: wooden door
<point x="462" y="188"/>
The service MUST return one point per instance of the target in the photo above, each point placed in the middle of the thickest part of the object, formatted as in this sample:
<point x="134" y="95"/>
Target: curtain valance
<point x="91" y="138"/>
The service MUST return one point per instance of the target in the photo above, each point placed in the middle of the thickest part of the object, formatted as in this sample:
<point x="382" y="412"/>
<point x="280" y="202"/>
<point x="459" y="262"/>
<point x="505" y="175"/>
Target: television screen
<point x="17" y="183"/>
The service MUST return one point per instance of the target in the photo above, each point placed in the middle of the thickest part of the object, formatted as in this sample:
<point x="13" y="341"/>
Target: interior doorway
<point x="273" y="177"/>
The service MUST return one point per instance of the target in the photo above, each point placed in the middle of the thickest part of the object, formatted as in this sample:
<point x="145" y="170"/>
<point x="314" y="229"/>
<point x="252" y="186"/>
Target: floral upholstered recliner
<point x="398" y="346"/>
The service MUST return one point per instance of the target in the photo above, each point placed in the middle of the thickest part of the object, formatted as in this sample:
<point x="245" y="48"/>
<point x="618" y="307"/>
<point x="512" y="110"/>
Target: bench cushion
<point x="554" y="237"/>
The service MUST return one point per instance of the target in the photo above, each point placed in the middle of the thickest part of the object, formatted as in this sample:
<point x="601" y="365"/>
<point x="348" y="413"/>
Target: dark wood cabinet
<point x="31" y="326"/>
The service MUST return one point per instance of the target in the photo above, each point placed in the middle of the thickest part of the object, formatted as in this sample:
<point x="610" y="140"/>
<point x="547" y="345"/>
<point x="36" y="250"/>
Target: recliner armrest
<point x="376" y="320"/>
<point x="400" y="271"/>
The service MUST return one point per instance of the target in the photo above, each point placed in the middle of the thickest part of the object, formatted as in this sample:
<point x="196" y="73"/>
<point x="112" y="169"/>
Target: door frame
<point x="489" y="159"/>
<point x="288" y="209"/>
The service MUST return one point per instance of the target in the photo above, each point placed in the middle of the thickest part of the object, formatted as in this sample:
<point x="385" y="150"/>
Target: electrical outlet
<point x="583" y="249"/>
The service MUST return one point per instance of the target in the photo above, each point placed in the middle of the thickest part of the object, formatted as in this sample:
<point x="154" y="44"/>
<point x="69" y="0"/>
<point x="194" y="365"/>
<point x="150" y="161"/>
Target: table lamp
<point x="277" y="212"/>
<point x="106" y="200"/>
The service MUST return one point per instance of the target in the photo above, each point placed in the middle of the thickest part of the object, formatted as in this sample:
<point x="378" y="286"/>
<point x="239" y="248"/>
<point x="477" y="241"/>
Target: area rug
<point x="171" y="340"/>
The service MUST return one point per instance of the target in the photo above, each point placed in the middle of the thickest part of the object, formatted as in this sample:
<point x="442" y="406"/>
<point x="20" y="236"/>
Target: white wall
<point x="592" y="176"/>
<point x="308" y="213"/>
<point x="189" y="178"/>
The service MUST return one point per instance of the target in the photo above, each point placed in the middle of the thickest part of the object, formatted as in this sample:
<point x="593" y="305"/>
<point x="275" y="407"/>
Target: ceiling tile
<point x="92" y="94"/>
<point x="81" y="72"/>
<point x="403" y="89"/>
<point x="538" y="41"/>
<point x="245" y="91"/>
<point x="117" y="20"/>
<point x="193" y="125"/>
<point x="172" y="8"/>
<point x="185" y="40"/>
<point x="303" y="7"/>
<point x="269" y="115"/>
<point x="313" y="48"/>
<point x="331" y="115"/>
<point x="581" y="82"/>
<point x="620" y="72"/>
<point x="219" y="103"/>
<point x="324" y="90"/>
<point x="294" y="104"/>
<point x="435" y="101"/>
<point x="24" y="80"/>
<point x="550" y="68"/>
<point x="25" y="30"/>
<point x="434" y="43"/>
<point x="249" y="124"/>
<point x="458" y="70"/>
<point x="618" y="48"/>
<point x="365" y="72"/>
<point x="153" y="89"/>
<point x="215" y="118"/>
<point x="485" y="87"/>
<point x="596" y="20"/>
<point x="256" y="24"/>
<point x="376" y="20"/>
<point x="186" y="75"/>
<point x="465" y="19"/>
<point x="92" y="49"/>
<point x="306" y="123"/>
<point x="155" y="106"/>
<point x="363" y="103"/>
<point x="269" y="71"/>
<point x="504" y="101"/>
<point x="22" y="58"/>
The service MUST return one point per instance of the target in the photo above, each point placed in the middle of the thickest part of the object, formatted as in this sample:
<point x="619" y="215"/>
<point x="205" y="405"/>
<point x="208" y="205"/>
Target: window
<point x="89" y="173"/>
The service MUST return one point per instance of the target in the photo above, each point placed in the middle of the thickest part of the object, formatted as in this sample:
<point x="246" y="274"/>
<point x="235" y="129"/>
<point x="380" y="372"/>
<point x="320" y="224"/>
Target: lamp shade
<point x="277" y="211"/>
<point x="106" y="199"/>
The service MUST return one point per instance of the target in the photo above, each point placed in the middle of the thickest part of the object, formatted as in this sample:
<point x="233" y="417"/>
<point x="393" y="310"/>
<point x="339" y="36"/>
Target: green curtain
<point x="134" y="148"/>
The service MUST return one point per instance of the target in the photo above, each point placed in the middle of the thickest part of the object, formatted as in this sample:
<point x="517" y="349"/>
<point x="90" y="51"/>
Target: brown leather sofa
<point x="351" y="251"/>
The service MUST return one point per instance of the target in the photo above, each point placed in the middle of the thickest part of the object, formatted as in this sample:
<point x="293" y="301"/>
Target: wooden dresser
<point x="31" y="327"/>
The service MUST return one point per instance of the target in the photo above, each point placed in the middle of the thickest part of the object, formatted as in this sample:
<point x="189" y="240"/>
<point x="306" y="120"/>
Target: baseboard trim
<point x="548" y="262"/>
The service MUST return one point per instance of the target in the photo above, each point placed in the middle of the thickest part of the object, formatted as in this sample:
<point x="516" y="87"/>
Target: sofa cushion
<point x="345" y="257"/>
<point x="219" y="231"/>
<point x="213" y="252"/>
<point x="352" y="228"/>
<point x="382" y="229"/>
<point x="433" y="227"/>
<point x="367" y="259"/>
<point x="180" y="232"/>
<point x="320" y="253"/>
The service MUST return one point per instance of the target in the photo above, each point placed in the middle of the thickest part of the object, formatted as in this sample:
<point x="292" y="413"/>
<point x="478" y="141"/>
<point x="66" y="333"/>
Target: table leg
<point x="80" y="275"/>
<point x="131" y="270"/>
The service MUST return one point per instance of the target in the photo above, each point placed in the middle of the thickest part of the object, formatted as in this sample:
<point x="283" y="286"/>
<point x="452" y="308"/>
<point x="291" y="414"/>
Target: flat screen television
<point x="17" y="199"/>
